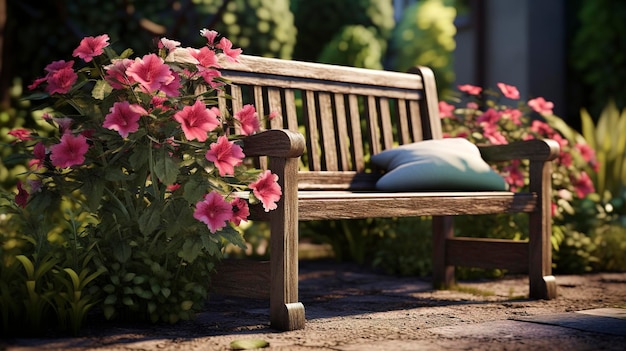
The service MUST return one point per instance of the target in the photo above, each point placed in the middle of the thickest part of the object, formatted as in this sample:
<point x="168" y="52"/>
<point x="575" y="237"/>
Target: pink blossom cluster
<point x="151" y="93"/>
<point x="483" y="118"/>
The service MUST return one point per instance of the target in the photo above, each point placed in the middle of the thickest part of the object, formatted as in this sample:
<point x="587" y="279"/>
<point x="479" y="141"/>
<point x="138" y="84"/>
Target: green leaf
<point x="36" y="96"/>
<point x="126" y="53"/>
<point x="179" y="218"/>
<point x="109" y="311"/>
<point x="128" y="276"/>
<point x="190" y="250"/>
<point x="195" y="189"/>
<point x="166" y="170"/>
<point x="110" y="300"/>
<point x="74" y="277"/>
<point x="122" y="251"/>
<point x="28" y="266"/>
<point x="101" y="89"/>
<point x="233" y="236"/>
<point x="186" y="305"/>
<point x="249" y="344"/>
<point x="93" y="188"/>
<point x="139" y="157"/>
<point x="150" y="219"/>
<point x="588" y="128"/>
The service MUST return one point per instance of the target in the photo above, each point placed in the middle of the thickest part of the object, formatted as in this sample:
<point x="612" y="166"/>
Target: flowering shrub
<point x="140" y="145"/>
<point x="500" y="117"/>
<point x="483" y="118"/>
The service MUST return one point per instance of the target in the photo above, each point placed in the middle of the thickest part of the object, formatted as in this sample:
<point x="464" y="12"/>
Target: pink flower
<point x="272" y="115"/>
<point x="509" y="91"/>
<point x="124" y="118"/>
<point x="168" y="44"/>
<point x="58" y="65"/>
<point x="541" y="106"/>
<point x="64" y="123"/>
<point x="225" y="155"/>
<point x="196" y="120"/>
<point x="116" y="73"/>
<point x="21" y="198"/>
<point x="514" y="175"/>
<point x="210" y="36"/>
<point x="36" y="83"/>
<point x="206" y="57"/>
<point x="213" y="211"/>
<point x="565" y="159"/>
<point x="61" y="81"/>
<point x="21" y="134"/>
<point x="91" y="47"/>
<point x="226" y="46"/>
<point x="267" y="190"/>
<point x="583" y="185"/>
<point x="70" y="151"/>
<point x="586" y="151"/>
<point x="159" y="102"/>
<point x="39" y="153"/>
<point x="241" y="211"/>
<point x="171" y="89"/>
<point x="445" y="110"/>
<point x="541" y="128"/>
<point x="490" y="116"/>
<point x="150" y="72"/>
<point x="589" y="155"/>
<point x="470" y="89"/>
<point x="209" y="74"/>
<point x="173" y="187"/>
<point x="514" y="115"/>
<point x="248" y="119"/>
<point x="472" y="105"/>
<point x="491" y="132"/>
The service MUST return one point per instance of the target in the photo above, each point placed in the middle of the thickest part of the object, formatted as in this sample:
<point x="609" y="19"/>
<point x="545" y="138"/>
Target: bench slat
<point x="312" y="134"/>
<point x="488" y="253"/>
<point x="317" y="205"/>
<point x="416" y="121"/>
<point x="285" y="70"/>
<point x="372" y="124"/>
<point x="290" y="110"/>
<point x="329" y="138"/>
<point x="357" y="138"/>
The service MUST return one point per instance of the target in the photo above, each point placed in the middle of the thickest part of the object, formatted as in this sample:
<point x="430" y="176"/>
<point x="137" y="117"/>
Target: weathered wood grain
<point x="333" y="118"/>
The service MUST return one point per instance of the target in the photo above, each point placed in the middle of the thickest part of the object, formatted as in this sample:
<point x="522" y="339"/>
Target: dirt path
<point x="349" y="308"/>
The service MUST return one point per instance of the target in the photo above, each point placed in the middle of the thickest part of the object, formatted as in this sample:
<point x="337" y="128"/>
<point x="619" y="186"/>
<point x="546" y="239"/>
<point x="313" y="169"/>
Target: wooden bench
<point x="346" y="114"/>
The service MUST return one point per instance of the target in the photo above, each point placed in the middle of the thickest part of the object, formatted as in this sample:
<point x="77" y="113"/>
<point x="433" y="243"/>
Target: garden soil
<point x="350" y="308"/>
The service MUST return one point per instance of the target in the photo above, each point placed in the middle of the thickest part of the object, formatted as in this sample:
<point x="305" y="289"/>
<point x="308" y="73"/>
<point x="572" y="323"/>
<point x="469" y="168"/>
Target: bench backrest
<point x="345" y="113"/>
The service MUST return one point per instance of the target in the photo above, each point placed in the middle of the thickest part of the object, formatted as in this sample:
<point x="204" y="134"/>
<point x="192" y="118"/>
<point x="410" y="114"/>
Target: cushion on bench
<point x="452" y="164"/>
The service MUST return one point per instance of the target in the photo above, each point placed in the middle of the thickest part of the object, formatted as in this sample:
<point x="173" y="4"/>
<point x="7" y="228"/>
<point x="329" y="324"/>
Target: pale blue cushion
<point x="452" y="164"/>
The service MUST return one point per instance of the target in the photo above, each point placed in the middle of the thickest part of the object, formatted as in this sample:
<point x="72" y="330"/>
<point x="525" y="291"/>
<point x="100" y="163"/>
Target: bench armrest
<point x="274" y="143"/>
<point x="534" y="150"/>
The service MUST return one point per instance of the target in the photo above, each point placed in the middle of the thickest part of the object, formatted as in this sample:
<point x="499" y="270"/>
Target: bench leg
<point x="443" y="274"/>
<point x="542" y="283"/>
<point x="286" y="313"/>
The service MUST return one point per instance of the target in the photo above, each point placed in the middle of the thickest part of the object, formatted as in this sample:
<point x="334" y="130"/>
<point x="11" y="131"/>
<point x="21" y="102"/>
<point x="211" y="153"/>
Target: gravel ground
<point x="351" y="308"/>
